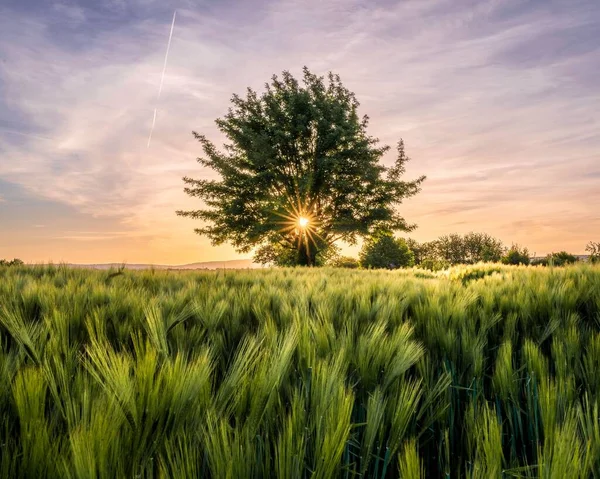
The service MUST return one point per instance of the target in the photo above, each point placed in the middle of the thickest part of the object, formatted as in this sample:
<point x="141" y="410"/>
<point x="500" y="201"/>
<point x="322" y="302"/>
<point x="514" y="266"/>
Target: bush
<point x="561" y="258"/>
<point x="385" y="251"/>
<point x="433" y="264"/>
<point x="14" y="262"/>
<point x="516" y="255"/>
<point x="344" y="262"/>
<point x="275" y="254"/>
<point x="593" y="248"/>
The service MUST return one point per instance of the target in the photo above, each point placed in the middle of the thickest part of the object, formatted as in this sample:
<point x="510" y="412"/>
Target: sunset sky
<point x="498" y="103"/>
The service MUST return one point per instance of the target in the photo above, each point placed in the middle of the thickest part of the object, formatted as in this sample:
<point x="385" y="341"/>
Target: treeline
<point x="13" y="262"/>
<point x="386" y="251"/>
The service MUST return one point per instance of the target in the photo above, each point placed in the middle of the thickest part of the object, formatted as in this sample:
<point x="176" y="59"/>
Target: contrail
<point x="30" y="135"/>
<point x="162" y="77"/>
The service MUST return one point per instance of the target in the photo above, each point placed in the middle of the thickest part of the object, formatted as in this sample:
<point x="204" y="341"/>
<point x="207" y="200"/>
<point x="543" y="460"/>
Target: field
<point x="479" y="372"/>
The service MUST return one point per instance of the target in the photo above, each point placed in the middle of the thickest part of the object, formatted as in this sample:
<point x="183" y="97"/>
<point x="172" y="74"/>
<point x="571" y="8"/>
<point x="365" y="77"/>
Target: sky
<point x="498" y="103"/>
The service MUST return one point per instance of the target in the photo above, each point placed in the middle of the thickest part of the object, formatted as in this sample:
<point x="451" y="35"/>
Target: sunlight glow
<point x="299" y="224"/>
<point x="303" y="222"/>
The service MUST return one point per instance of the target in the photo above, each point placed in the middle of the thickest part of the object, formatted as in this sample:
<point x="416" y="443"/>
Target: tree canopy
<point x="298" y="173"/>
<point x="457" y="249"/>
<point x="385" y="251"/>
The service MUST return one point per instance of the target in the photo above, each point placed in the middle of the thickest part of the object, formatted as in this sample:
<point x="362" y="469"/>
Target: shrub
<point x="561" y="258"/>
<point x="593" y="248"/>
<point x="433" y="264"/>
<point x="14" y="262"/>
<point x="344" y="262"/>
<point x="516" y="255"/>
<point x="275" y="254"/>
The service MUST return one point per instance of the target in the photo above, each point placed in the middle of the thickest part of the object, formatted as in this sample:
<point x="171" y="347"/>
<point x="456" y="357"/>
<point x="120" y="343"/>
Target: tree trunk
<point x="307" y="254"/>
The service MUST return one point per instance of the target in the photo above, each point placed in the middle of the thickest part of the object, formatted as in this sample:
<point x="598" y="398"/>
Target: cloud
<point x="70" y="13"/>
<point x="492" y="123"/>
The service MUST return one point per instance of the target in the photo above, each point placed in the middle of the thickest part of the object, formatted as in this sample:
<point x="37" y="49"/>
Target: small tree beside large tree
<point x="385" y="251"/>
<point x="298" y="174"/>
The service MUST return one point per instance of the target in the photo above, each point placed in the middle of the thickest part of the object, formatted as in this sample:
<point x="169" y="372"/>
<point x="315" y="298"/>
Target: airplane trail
<point x="30" y="135"/>
<point x="162" y="77"/>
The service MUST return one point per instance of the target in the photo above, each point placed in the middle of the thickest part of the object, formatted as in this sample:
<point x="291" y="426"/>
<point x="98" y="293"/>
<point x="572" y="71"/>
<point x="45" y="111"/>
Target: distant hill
<point x="231" y="264"/>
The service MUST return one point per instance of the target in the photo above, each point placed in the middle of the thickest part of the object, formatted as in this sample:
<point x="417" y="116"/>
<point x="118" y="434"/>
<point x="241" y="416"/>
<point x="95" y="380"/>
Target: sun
<point x="299" y="224"/>
<point x="303" y="222"/>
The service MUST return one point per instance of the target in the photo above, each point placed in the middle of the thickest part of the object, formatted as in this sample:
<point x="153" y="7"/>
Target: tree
<point x="424" y="252"/>
<point x="418" y="249"/>
<point x="516" y="255"/>
<point x="468" y="249"/>
<point x="299" y="172"/>
<point x="482" y="247"/>
<point x="451" y="248"/>
<point x="384" y="251"/>
<point x="593" y="248"/>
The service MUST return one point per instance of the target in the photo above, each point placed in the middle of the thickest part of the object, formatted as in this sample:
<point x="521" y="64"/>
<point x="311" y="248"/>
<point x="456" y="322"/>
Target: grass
<point x="476" y="372"/>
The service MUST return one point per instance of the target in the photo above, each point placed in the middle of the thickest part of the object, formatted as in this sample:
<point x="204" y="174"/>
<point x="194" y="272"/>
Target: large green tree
<point x="298" y="173"/>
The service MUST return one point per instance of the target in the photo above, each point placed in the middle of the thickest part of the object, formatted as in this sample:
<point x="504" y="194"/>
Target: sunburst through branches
<point x="300" y="222"/>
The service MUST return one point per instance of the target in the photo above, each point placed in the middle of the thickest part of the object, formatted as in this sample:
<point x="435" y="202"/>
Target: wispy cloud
<point x="497" y="101"/>
<point x="70" y="13"/>
<point x="11" y="131"/>
<point x="100" y="236"/>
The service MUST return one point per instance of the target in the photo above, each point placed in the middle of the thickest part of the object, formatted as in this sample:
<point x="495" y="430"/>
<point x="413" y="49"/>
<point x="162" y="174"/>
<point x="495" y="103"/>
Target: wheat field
<point x="477" y="372"/>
